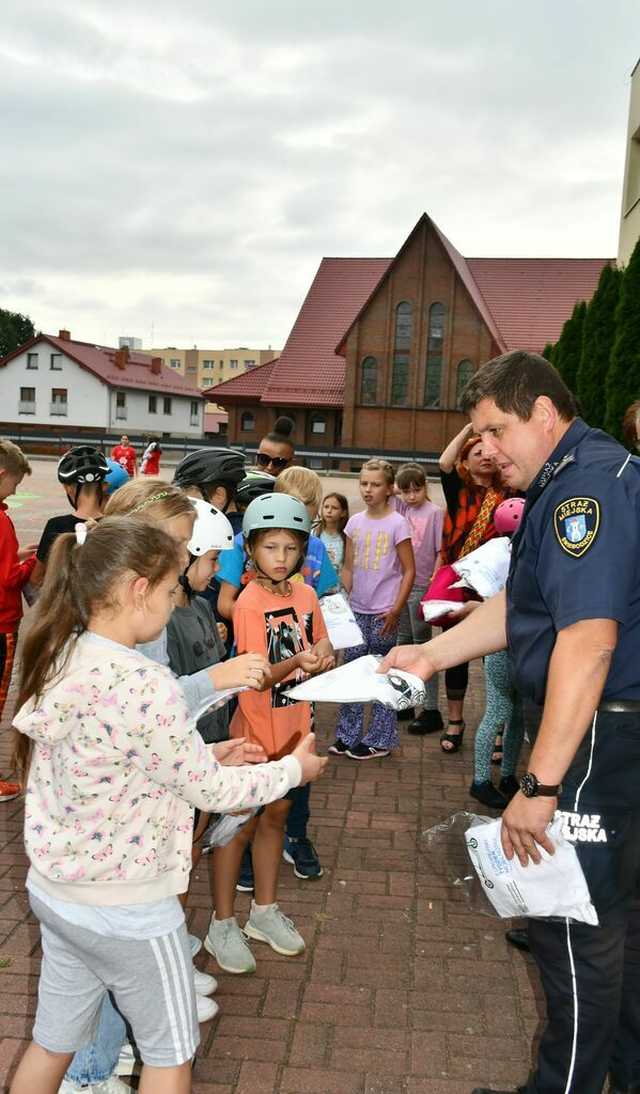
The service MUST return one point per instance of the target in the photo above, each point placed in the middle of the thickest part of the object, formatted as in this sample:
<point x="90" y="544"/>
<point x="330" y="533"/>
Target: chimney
<point x="121" y="357"/>
<point x="156" y="365"/>
<point x="64" y="335"/>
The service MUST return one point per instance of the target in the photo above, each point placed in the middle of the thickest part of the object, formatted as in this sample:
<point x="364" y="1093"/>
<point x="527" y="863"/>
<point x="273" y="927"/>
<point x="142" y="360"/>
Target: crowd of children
<point x="153" y="719"/>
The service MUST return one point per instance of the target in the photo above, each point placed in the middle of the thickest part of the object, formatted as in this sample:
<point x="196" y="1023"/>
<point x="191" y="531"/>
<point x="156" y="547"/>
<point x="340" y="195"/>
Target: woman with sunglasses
<point x="276" y="451"/>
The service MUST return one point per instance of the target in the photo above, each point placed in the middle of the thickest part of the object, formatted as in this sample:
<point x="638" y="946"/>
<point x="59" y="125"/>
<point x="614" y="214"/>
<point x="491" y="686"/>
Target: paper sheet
<point x="360" y="682"/>
<point x="340" y="622"/>
<point x="486" y="569"/>
<point x="555" y="887"/>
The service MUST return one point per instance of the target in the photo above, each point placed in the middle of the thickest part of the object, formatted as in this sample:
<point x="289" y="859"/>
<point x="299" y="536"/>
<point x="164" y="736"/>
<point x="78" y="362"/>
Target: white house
<point x="59" y="383"/>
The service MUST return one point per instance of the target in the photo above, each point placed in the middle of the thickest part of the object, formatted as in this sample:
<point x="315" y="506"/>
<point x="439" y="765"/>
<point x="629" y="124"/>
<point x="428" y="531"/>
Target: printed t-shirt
<point x="317" y="570"/>
<point x="334" y="543"/>
<point x="277" y="627"/>
<point x="425" y="522"/>
<point x="377" y="573"/>
<point x="125" y="455"/>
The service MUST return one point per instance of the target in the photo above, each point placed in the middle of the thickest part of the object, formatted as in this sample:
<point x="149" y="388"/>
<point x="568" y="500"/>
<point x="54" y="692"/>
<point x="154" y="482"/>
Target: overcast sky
<point x="183" y="168"/>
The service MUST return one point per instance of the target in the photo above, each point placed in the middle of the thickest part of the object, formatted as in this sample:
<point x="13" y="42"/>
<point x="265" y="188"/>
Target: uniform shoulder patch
<point x="576" y="522"/>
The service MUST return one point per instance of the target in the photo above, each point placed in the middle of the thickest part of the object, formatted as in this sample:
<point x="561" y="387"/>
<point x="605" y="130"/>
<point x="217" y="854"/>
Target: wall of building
<point x="422" y="276"/>
<point x="630" y="214"/>
<point x="141" y="419"/>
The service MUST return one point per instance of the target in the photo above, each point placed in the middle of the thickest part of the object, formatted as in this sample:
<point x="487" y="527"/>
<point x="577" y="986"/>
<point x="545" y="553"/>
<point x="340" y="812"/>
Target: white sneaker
<point x="195" y="943"/>
<point x="205" y="984"/>
<point x="206" y="1008"/>
<point x="128" y="1063"/>
<point x="112" y="1085"/>
<point x="226" y="942"/>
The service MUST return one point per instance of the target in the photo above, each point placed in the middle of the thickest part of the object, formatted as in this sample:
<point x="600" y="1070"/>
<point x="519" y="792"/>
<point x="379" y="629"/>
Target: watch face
<point x="528" y="785"/>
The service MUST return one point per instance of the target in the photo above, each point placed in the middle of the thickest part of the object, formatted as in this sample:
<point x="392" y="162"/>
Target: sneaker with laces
<point x="205" y="984"/>
<point x="366" y="752"/>
<point x="303" y="857"/>
<point x="195" y="944"/>
<point x="112" y="1085"/>
<point x="245" y="882"/>
<point x="338" y="748"/>
<point x="226" y="942"/>
<point x="270" y="925"/>
<point x="9" y="790"/>
<point x="206" y="1008"/>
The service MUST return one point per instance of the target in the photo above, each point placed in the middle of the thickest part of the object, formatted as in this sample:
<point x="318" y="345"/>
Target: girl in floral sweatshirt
<point x="114" y="768"/>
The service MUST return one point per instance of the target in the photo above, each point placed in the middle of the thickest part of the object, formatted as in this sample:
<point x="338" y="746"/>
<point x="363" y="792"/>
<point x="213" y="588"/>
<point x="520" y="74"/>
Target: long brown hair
<point x="81" y="579"/>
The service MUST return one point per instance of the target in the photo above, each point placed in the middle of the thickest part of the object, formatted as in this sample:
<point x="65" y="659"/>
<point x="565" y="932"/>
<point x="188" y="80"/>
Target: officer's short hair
<point x="514" y="381"/>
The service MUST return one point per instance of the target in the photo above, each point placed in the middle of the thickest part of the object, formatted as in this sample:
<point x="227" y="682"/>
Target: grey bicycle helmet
<point x="276" y="511"/>
<point x="81" y="466"/>
<point x="209" y="467"/>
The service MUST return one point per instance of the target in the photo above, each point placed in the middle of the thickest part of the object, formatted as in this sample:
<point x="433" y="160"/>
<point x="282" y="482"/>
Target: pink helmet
<point x="508" y="515"/>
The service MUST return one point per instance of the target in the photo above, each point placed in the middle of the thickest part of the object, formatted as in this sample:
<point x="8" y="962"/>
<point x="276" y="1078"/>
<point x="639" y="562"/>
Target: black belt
<point x="621" y="706"/>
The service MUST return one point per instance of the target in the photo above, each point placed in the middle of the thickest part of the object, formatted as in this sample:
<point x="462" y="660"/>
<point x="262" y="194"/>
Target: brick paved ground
<point x="401" y="989"/>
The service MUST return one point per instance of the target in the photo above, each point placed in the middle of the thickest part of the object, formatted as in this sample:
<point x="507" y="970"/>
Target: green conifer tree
<point x="568" y="350"/>
<point x="623" y="377"/>
<point x="547" y="352"/>
<point x="597" y="342"/>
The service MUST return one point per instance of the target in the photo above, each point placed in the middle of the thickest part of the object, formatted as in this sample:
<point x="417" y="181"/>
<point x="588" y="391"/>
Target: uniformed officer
<point x="570" y="616"/>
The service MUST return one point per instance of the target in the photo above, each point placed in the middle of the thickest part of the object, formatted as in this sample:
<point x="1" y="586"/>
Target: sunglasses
<point x="279" y="462"/>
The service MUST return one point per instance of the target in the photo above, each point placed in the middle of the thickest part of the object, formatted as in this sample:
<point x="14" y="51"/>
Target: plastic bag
<point x="360" y="682"/>
<point x="222" y="827"/>
<point x="340" y="622"/>
<point x="467" y="849"/>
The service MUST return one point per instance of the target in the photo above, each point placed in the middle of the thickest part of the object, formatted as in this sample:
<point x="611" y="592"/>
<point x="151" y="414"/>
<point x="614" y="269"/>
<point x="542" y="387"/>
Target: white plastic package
<point x="433" y="609"/>
<point x="340" y="622"/>
<point x="360" y="682"/>
<point x="222" y="827"/>
<point x="468" y="849"/>
<point x="486" y="569"/>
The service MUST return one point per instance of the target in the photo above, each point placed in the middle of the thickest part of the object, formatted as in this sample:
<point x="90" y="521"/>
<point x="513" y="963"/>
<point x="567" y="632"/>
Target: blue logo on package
<point x="576" y="522"/>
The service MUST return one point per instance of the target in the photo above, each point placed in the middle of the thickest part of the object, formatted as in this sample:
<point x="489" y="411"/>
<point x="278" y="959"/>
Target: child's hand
<point x="312" y="765"/>
<point x="324" y="650"/>
<point x="309" y="662"/>
<point x="238" y="752"/>
<point x="390" y="621"/>
<point x="222" y="631"/>
<point x="247" y="671"/>
<point x="27" y="552"/>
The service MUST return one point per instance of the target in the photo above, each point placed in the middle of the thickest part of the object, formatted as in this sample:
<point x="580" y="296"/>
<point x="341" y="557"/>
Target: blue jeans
<point x="298" y="818"/>
<point x="97" y="1061"/>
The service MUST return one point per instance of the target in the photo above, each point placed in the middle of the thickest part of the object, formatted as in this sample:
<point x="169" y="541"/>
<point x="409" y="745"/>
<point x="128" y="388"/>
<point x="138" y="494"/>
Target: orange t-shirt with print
<point x="277" y="627"/>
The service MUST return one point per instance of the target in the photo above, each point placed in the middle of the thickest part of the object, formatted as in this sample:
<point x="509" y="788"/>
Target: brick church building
<point x="382" y="347"/>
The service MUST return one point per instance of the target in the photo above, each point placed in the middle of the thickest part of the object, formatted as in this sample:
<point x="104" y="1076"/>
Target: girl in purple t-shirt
<point x="378" y="574"/>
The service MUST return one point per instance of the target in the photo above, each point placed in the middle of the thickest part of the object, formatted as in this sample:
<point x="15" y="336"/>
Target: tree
<point x="568" y="350"/>
<point x="623" y="377"/>
<point x="597" y="342"/>
<point x="548" y="351"/>
<point x="15" y="329"/>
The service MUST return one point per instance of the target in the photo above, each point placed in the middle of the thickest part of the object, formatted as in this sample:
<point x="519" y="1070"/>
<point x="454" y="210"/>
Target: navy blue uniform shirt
<point x="576" y="557"/>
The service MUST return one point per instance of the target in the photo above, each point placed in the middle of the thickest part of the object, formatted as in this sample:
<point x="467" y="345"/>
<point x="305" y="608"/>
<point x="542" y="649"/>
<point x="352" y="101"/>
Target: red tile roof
<point x="309" y="372"/>
<point x="249" y="385"/>
<point x="530" y="298"/>
<point x="100" y="360"/>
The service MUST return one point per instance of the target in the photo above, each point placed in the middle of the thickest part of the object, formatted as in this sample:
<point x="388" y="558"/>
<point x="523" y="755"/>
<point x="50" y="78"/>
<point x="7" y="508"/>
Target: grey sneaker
<point x="226" y="942"/>
<point x="273" y="927"/>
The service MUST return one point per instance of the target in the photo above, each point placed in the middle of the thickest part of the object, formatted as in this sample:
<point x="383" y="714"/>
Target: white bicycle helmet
<point x="211" y="530"/>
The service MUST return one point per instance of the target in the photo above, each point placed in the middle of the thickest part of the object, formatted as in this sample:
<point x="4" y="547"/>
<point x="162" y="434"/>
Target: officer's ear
<point x="545" y="413"/>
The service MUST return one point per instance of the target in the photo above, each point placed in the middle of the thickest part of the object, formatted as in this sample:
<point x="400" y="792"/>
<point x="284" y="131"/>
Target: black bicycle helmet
<point x="81" y="466"/>
<point x="254" y="486"/>
<point x="208" y="466"/>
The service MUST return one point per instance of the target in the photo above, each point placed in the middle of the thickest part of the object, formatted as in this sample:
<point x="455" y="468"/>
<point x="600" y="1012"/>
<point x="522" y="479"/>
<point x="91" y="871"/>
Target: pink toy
<point x="508" y="515"/>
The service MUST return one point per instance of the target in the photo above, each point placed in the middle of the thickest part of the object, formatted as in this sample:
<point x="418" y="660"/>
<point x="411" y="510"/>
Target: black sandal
<point x="496" y="755"/>
<point x="454" y="739"/>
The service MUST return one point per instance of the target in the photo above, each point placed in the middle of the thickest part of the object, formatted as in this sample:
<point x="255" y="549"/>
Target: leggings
<point x="503" y="711"/>
<point x="383" y="728"/>
<point x="456" y="680"/>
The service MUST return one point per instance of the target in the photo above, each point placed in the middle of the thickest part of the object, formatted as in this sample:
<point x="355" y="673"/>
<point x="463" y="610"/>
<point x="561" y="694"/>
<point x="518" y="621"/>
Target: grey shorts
<point x="151" y="981"/>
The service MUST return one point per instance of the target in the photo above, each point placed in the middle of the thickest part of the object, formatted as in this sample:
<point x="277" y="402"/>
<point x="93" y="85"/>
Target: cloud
<point x="188" y="167"/>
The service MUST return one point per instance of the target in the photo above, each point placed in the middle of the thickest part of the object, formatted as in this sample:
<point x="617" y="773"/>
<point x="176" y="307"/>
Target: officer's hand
<point x="524" y="824"/>
<point x="409" y="659"/>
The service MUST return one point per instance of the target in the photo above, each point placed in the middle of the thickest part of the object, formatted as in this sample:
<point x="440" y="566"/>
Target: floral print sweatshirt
<point x="116" y="771"/>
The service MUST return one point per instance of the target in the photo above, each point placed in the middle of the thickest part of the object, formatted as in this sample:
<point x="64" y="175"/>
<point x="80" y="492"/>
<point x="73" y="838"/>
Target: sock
<point x="263" y="907"/>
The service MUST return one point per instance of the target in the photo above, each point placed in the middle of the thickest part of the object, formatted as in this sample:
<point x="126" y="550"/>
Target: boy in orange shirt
<point x="15" y="570"/>
<point x="280" y="617"/>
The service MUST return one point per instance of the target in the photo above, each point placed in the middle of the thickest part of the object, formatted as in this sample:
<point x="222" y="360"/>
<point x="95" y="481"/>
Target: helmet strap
<point x="184" y="580"/>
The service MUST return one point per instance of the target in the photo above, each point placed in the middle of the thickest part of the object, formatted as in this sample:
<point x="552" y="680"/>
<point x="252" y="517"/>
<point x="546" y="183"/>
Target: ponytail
<point x="81" y="579"/>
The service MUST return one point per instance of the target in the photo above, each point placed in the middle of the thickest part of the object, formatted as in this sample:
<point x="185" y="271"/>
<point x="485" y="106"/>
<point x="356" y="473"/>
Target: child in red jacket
<point x="15" y="570"/>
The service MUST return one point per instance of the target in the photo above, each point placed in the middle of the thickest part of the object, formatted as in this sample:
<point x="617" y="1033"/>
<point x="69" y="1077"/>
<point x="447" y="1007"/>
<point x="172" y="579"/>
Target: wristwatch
<point x="531" y="788"/>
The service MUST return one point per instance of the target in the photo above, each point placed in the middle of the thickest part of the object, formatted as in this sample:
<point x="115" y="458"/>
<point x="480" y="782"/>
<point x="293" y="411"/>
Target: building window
<point x="32" y="360"/>
<point x="56" y="361"/>
<point x="166" y="405"/>
<point x="401" y="348"/>
<point x="247" y="422"/>
<point x="435" y="347"/>
<point x="369" y="381"/>
<point x="207" y="364"/>
<point x="318" y="425"/>
<point x="233" y="363"/>
<point x="121" y="405"/>
<point x="58" y="405"/>
<point x="174" y="362"/>
<point x="153" y="404"/>
<point x="195" y="412"/>
<point x="27" y="404"/>
<point x="463" y="375"/>
<point x="249" y="364"/>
